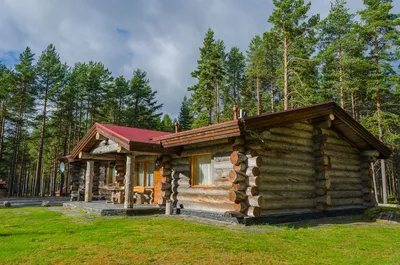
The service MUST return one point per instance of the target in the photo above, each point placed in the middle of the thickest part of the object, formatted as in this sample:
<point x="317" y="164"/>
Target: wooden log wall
<point x="96" y="177"/>
<point x="212" y="199"/>
<point x="82" y="176"/>
<point x="74" y="171"/>
<point x="281" y="166"/>
<point x="344" y="172"/>
<point x="120" y="167"/>
<point x="166" y="184"/>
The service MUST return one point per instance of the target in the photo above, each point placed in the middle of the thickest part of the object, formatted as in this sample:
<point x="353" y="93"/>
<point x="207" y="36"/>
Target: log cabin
<point x="309" y="160"/>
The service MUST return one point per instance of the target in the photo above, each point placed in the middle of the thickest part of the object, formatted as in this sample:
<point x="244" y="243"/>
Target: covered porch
<point x="117" y="166"/>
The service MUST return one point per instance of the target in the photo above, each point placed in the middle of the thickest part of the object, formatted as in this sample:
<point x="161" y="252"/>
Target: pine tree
<point x="234" y="68"/>
<point x="341" y="55"/>
<point x="167" y="125"/>
<point x="296" y="37"/>
<point x="22" y="102"/>
<point x="142" y="107"/>
<point x="381" y="28"/>
<point x="209" y="73"/>
<point x="185" y="118"/>
<point x="256" y="71"/>
<point x="116" y="102"/>
<point x="6" y="83"/>
<point x="273" y="62"/>
<point x="50" y="74"/>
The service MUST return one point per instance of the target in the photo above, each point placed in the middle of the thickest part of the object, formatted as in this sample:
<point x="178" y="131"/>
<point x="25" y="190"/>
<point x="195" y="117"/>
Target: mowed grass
<point x="40" y="236"/>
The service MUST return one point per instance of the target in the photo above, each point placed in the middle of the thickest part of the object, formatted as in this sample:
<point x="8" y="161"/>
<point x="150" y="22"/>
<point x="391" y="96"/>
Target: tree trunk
<point x="341" y="78"/>
<point x="380" y="120"/>
<point x="272" y="97"/>
<point x="353" y="107"/>
<point x="2" y="126"/>
<point x="285" y="75"/>
<point x="42" y="134"/>
<point x="259" y="107"/>
<point x="217" y="103"/>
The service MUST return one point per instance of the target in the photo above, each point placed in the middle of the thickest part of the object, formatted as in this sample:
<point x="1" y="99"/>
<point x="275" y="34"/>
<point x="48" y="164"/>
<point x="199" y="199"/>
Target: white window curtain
<point x="150" y="174"/>
<point x="140" y="170"/>
<point x="203" y="170"/>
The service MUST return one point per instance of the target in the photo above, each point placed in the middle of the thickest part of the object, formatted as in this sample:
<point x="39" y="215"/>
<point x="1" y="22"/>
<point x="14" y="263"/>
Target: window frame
<point x="193" y="171"/>
<point x="136" y="173"/>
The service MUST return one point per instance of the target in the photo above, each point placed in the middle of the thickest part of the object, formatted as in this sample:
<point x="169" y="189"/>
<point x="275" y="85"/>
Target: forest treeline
<point x="351" y="58"/>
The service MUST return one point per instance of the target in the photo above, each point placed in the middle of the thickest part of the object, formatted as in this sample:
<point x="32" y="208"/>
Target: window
<point x="201" y="170"/>
<point x="144" y="172"/>
<point x="111" y="173"/>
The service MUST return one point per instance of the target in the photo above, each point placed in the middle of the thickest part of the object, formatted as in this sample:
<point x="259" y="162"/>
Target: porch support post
<point x="130" y="164"/>
<point x="89" y="180"/>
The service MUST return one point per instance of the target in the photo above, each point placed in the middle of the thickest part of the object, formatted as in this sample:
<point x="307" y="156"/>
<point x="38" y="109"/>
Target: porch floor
<point x="103" y="208"/>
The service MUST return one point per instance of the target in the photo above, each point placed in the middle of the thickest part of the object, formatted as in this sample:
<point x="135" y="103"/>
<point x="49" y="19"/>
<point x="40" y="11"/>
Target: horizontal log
<point x="345" y="167"/>
<point x="268" y="144"/>
<point x="235" y="176"/>
<point x="345" y="194"/>
<point x="181" y="161"/>
<point x="271" y="137"/>
<point x="254" y="211"/>
<point x="368" y="197"/>
<point x="252" y="162"/>
<point x="341" y="148"/>
<point x="345" y="160"/>
<point x="237" y="158"/>
<point x="281" y="195"/>
<point x="254" y="181"/>
<point x="181" y="167"/>
<point x="331" y="133"/>
<point x="302" y="126"/>
<point x="167" y="165"/>
<point x="344" y="180"/>
<point x="343" y="173"/>
<point x="343" y="187"/>
<point x="256" y="201"/>
<point x="286" y="187"/>
<point x="343" y="155"/>
<point x="206" y="207"/>
<point x="337" y="141"/>
<point x="252" y="191"/>
<point x="264" y="160"/>
<point x="222" y="183"/>
<point x="345" y="207"/>
<point x="111" y="147"/>
<point x="283" y="154"/>
<point x="292" y="132"/>
<point x="283" y="178"/>
<point x="237" y="196"/>
<point x="289" y="204"/>
<point x="347" y="201"/>
<point x="180" y="182"/>
<point x="309" y="172"/>
<point x="206" y="198"/>
<point x="208" y="149"/>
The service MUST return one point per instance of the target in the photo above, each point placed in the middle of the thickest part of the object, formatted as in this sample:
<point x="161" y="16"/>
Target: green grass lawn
<point x="40" y="236"/>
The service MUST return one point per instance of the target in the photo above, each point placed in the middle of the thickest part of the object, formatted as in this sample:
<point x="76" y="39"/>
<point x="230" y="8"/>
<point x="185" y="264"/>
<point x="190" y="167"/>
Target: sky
<point x="161" y="37"/>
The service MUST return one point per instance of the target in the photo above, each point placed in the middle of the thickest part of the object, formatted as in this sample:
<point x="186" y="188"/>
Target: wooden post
<point x="89" y="180"/>
<point x="130" y="165"/>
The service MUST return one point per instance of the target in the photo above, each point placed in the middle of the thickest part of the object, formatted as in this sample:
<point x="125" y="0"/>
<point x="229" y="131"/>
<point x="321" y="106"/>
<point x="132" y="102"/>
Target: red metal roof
<point x="132" y="134"/>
